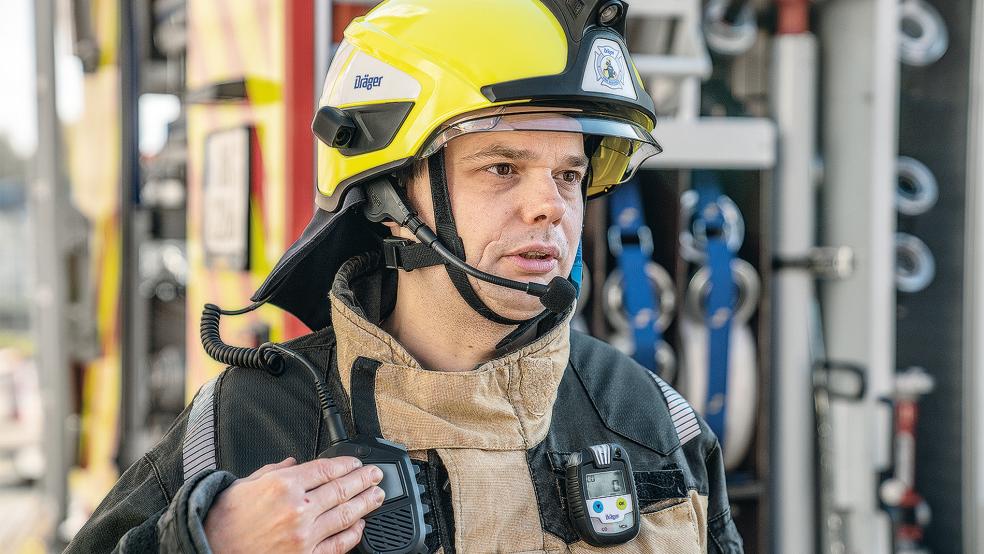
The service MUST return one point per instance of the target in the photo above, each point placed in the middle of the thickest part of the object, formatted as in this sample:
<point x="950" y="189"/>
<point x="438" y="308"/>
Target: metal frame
<point x="860" y="65"/>
<point x="692" y="141"/>
<point x="715" y="143"/>
<point x="132" y="310"/>
<point x="973" y="317"/>
<point x="793" y="457"/>
<point x="50" y="222"/>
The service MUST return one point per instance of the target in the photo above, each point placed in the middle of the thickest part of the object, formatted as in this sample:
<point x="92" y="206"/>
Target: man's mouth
<point x="537" y="259"/>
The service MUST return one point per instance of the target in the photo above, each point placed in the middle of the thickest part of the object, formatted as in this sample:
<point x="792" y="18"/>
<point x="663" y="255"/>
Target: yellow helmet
<point x="412" y="74"/>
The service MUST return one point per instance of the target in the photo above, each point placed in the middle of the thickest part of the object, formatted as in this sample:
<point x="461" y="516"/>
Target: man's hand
<point x="312" y="507"/>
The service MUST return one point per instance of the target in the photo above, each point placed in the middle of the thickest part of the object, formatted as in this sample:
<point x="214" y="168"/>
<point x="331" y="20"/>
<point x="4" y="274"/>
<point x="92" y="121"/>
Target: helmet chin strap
<point x="448" y="233"/>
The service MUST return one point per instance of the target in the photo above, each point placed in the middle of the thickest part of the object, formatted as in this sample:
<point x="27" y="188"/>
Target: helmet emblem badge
<point x="608" y="61"/>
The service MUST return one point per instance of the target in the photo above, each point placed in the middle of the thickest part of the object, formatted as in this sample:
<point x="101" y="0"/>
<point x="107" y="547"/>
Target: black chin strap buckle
<point x="391" y="251"/>
<point x="408" y="255"/>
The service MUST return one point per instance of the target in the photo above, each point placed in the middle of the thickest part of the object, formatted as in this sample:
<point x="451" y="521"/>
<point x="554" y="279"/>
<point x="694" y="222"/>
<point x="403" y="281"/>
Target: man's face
<point x="517" y="203"/>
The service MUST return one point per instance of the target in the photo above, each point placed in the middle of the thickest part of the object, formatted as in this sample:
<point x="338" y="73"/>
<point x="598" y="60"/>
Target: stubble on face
<point x="536" y="206"/>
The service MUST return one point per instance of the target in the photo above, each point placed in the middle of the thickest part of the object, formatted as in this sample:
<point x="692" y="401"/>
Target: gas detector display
<point x="605" y="483"/>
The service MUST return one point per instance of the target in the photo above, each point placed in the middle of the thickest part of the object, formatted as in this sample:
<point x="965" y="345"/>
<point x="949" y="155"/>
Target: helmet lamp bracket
<point x="334" y="127"/>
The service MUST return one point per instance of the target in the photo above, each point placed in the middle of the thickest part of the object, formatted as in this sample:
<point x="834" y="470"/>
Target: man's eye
<point x="501" y="170"/>
<point x="570" y="176"/>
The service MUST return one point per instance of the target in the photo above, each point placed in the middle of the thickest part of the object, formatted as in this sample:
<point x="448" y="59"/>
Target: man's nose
<point x="542" y="199"/>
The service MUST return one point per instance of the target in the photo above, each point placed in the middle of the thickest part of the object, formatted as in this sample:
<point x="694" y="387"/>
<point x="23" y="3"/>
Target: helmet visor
<point x="617" y="147"/>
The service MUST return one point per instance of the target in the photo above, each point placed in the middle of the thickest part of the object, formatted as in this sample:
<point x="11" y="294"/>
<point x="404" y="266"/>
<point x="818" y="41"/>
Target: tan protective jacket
<point x="492" y="443"/>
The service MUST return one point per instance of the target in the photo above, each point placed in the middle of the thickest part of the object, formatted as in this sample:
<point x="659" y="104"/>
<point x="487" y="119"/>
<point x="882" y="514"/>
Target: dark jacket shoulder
<point x="264" y="418"/>
<point x="633" y="401"/>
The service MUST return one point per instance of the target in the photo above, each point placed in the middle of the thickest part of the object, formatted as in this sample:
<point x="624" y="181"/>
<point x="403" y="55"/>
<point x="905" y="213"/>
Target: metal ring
<point x="749" y="287"/>
<point x="693" y="241"/>
<point x="662" y="285"/>
<point x="917" y="190"/>
<point x="915" y="266"/>
<point x="729" y="39"/>
<point x="923" y="38"/>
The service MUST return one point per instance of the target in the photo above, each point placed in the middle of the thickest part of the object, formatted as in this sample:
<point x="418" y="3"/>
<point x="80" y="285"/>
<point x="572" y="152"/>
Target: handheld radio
<point x="396" y="527"/>
<point x="601" y="495"/>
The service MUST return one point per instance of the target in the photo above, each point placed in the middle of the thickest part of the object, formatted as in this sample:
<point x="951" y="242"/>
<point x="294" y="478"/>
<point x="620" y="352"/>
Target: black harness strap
<point x="364" y="397"/>
<point x="409" y="255"/>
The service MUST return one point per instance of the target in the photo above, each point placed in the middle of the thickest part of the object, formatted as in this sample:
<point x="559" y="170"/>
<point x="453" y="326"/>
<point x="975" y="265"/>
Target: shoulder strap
<point x="198" y="450"/>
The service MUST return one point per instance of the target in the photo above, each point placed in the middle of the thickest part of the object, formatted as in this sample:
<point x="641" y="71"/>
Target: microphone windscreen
<point x="559" y="296"/>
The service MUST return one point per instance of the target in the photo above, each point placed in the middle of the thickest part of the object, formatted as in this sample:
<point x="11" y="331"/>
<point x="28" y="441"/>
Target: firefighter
<point x="439" y="275"/>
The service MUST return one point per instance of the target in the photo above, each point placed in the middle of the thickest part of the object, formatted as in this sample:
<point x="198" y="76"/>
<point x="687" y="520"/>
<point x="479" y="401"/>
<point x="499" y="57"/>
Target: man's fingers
<point x="345" y="515"/>
<point x="344" y="488"/>
<point x="342" y="542"/>
<point x="270" y="467"/>
<point x="315" y="473"/>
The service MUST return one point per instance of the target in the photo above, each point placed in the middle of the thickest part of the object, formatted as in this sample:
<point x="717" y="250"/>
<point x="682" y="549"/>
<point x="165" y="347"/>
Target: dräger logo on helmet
<point x="368" y="81"/>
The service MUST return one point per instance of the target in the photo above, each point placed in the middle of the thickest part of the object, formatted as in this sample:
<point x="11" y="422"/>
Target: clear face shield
<point x="616" y="147"/>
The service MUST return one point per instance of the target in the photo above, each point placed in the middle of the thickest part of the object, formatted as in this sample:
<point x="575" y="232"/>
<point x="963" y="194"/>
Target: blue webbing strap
<point x="630" y="241"/>
<point x="577" y="270"/>
<point x="720" y="302"/>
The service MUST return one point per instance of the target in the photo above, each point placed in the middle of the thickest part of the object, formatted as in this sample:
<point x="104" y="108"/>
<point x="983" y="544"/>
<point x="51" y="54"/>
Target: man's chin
<point x="515" y="305"/>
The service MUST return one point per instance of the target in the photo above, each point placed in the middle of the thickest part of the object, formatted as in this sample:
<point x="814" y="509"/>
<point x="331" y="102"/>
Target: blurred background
<point x="823" y="159"/>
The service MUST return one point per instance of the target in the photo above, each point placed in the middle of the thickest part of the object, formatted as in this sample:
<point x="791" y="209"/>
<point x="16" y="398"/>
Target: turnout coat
<point x="492" y="443"/>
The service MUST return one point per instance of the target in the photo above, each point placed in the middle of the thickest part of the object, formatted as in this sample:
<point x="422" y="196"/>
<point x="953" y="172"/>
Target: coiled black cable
<point x="239" y="356"/>
<point x="268" y="357"/>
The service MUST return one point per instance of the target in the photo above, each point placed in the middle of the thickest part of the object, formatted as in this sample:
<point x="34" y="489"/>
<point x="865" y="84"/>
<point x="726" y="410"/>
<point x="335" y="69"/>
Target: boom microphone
<point x="556" y="296"/>
<point x="385" y="202"/>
